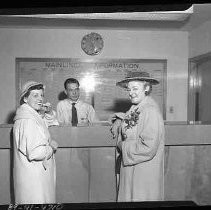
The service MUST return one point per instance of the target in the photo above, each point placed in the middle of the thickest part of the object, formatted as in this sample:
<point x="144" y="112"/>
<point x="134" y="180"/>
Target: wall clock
<point x="92" y="44"/>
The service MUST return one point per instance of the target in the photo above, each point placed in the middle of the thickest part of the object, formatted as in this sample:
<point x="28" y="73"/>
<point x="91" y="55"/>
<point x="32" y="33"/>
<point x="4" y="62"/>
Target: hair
<point x="70" y="80"/>
<point x="35" y="87"/>
<point x="147" y="92"/>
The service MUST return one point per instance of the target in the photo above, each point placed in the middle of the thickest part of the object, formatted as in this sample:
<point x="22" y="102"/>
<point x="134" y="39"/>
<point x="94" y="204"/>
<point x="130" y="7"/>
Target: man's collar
<point x="73" y="101"/>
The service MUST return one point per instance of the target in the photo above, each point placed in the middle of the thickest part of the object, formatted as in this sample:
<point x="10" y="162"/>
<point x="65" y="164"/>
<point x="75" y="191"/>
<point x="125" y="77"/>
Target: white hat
<point x="28" y="85"/>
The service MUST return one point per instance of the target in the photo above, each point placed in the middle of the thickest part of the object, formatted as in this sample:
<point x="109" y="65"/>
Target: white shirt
<point x="85" y="112"/>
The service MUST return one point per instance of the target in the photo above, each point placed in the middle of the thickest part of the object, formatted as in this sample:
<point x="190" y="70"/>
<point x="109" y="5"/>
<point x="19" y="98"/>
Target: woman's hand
<point x="54" y="145"/>
<point x="48" y="108"/>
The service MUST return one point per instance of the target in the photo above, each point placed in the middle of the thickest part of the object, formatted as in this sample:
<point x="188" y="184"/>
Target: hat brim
<point x="32" y="85"/>
<point x="123" y="83"/>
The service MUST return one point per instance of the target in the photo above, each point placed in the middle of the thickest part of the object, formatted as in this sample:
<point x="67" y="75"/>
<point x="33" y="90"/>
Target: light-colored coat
<point x="142" y="166"/>
<point x="34" y="174"/>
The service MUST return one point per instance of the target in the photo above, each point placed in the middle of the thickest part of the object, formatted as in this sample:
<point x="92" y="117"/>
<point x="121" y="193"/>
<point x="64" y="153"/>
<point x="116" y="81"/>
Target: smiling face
<point x="72" y="91"/>
<point x="35" y="99"/>
<point x="136" y="91"/>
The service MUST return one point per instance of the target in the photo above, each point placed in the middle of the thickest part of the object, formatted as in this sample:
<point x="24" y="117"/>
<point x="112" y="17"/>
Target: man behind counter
<point x="73" y="111"/>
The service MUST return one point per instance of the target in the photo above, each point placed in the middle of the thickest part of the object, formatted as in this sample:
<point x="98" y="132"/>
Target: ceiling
<point x="133" y="19"/>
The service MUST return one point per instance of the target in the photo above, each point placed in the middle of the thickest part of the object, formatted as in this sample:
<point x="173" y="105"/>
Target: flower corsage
<point x="131" y="119"/>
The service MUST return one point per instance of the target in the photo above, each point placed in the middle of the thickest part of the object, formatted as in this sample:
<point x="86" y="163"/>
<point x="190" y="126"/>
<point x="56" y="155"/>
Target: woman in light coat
<point x="34" y="169"/>
<point x="140" y="142"/>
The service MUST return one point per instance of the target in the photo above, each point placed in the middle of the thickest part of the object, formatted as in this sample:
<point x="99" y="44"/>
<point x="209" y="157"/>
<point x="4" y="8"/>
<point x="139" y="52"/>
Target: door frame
<point x="194" y="85"/>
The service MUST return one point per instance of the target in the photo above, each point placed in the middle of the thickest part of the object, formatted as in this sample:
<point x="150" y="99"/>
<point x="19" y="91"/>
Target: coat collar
<point x="27" y="112"/>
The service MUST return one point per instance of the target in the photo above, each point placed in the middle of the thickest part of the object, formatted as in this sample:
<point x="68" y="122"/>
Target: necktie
<point x="74" y="115"/>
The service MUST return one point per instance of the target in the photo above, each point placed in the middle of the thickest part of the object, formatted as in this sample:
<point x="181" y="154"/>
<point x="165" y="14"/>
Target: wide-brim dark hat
<point x="137" y="76"/>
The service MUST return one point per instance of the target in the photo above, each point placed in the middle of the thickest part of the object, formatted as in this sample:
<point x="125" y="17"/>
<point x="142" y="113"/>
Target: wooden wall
<point x="86" y="164"/>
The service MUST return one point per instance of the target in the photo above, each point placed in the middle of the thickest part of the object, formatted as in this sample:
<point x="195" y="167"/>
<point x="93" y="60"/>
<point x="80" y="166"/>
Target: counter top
<point x="99" y="135"/>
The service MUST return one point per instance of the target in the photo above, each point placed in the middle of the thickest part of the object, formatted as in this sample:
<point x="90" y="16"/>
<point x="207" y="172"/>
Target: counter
<point x="86" y="163"/>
